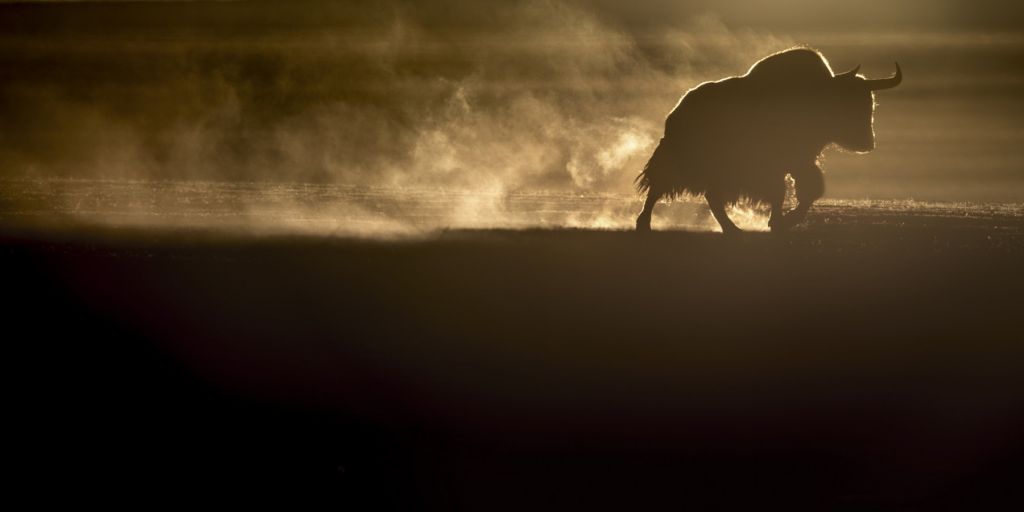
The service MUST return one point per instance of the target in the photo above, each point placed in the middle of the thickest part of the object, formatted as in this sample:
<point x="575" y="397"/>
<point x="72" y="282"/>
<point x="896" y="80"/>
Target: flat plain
<point x="870" y="358"/>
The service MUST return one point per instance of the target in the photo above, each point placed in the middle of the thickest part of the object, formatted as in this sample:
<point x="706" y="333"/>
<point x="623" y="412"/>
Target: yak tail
<point x="642" y="182"/>
<point x="656" y="167"/>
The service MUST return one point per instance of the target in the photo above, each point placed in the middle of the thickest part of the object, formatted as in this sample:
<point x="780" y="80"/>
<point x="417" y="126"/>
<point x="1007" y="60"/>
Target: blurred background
<point x="869" y="361"/>
<point x="542" y="95"/>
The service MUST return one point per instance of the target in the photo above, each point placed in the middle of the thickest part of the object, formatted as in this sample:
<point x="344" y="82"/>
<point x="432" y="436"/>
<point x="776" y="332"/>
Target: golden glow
<point x="558" y="98"/>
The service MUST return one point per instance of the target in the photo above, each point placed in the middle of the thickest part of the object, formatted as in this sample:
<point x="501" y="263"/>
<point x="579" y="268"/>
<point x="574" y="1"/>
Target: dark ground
<point x="848" y="367"/>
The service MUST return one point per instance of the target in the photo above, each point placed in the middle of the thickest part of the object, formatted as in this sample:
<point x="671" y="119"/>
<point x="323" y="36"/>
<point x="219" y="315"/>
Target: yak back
<point x="740" y="135"/>
<point x="780" y="91"/>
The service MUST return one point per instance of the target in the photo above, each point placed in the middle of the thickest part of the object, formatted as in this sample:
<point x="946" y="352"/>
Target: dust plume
<point x="539" y="96"/>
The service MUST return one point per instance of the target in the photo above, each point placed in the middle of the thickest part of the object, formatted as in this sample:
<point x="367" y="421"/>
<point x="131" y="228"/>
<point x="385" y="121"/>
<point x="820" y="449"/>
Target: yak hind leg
<point x="717" y="205"/>
<point x="777" y="221"/>
<point x="643" y="222"/>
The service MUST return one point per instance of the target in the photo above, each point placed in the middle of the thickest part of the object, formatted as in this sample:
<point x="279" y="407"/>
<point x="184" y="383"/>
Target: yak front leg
<point x="717" y="205"/>
<point x="810" y="186"/>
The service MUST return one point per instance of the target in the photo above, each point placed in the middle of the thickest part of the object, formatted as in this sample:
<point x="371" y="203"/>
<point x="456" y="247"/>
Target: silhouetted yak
<point x="740" y="136"/>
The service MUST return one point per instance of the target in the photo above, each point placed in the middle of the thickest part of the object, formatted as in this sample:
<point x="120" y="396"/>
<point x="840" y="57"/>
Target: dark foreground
<point x="846" y="367"/>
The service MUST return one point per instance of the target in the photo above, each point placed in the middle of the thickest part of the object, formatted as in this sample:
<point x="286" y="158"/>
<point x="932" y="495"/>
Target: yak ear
<point x="849" y="74"/>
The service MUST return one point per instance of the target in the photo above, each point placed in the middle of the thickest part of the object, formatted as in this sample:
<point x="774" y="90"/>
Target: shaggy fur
<point x="741" y="136"/>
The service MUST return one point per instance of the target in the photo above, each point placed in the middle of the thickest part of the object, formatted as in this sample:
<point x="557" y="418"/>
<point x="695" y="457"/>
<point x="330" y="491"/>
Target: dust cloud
<point x="539" y="96"/>
<point x="476" y="107"/>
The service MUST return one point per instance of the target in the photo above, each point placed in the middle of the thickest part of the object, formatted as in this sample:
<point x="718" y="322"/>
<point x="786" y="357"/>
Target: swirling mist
<point x="534" y="96"/>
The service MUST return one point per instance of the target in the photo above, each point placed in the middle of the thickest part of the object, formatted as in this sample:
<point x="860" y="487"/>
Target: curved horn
<point x="887" y="83"/>
<point x="849" y="74"/>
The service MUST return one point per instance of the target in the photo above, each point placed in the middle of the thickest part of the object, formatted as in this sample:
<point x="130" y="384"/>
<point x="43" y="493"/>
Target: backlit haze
<point x="399" y="116"/>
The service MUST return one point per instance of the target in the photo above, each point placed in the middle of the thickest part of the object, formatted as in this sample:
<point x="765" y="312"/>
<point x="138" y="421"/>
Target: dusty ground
<point x="868" y="360"/>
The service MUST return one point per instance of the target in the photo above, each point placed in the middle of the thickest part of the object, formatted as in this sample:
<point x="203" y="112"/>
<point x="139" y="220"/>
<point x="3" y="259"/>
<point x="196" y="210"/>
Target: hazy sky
<point x="520" y="95"/>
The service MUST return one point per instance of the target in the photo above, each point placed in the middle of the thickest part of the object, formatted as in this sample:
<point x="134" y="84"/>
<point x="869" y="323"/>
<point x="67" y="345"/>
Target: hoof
<point x="779" y="226"/>
<point x="643" y="226"/>
<point x="785" y="223"/>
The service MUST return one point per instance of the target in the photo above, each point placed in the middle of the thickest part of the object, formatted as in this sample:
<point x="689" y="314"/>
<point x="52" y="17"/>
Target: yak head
<point x="852" y="108"/>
